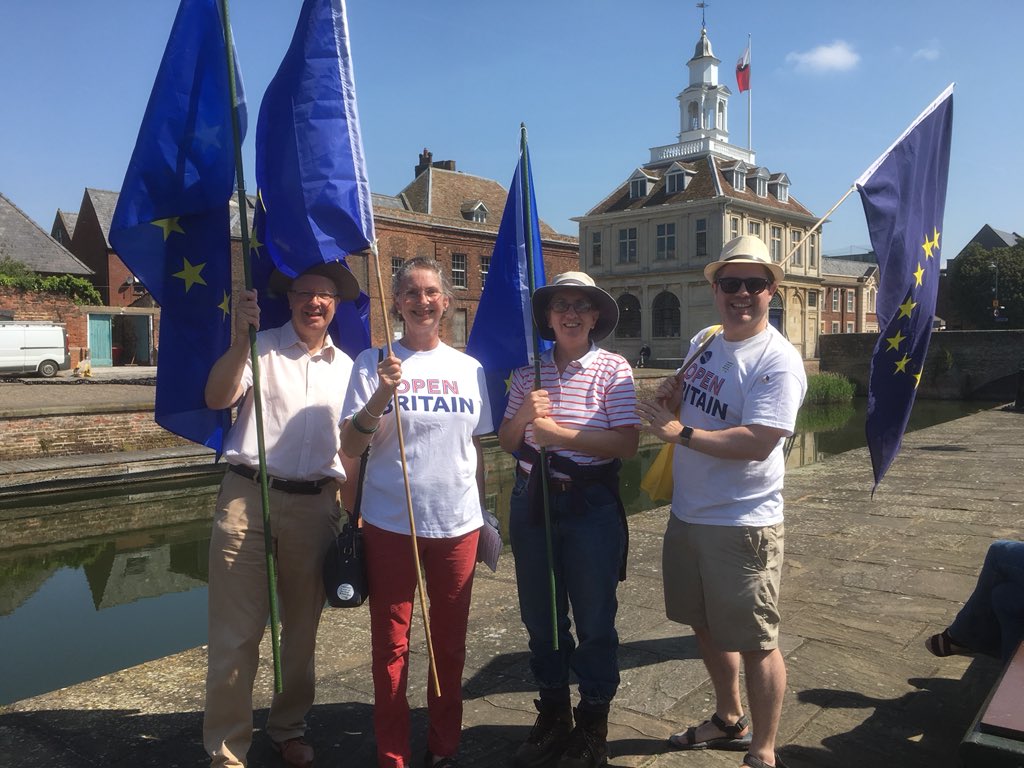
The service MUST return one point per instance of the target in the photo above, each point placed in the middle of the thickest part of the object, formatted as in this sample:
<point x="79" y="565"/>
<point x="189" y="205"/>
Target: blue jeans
<point x="992" y="619"/>
<point x="587" y="548"/>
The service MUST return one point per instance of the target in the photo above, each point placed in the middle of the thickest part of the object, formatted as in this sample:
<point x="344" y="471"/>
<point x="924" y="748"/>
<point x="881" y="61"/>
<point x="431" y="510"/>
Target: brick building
<point x="450" y="216"/>
<point x="849" y="287"/>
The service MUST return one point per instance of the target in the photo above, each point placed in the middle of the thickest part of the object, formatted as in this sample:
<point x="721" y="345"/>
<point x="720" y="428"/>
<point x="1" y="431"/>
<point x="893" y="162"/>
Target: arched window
<point x="693" y="115"/>
<point x="629" y="317"/>
<point x="666" y="321"/>
<point x="721" y="117"/>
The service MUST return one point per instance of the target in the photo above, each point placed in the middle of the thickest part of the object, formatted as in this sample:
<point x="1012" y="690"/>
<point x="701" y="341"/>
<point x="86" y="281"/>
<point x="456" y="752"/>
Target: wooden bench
<point x="996" y="737"/>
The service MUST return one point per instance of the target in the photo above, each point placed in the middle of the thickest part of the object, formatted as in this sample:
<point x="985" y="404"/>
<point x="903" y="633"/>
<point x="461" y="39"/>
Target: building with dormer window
<point x="648" y="241"/>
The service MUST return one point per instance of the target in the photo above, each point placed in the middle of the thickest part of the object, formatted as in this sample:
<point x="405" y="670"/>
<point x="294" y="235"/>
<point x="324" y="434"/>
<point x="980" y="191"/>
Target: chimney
<point x="425" y="158"/>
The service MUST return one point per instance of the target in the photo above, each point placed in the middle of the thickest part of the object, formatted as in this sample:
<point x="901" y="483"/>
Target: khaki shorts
<point x="724" y="579"/>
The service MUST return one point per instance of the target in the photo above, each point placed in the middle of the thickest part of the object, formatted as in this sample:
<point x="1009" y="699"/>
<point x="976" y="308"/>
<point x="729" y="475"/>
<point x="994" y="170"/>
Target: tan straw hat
<point x="608" y="310"/>
<point x="745" y="249"/>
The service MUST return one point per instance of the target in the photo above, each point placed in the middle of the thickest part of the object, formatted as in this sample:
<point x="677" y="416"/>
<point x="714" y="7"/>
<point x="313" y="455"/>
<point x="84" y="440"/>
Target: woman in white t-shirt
<point x="444" y="409"/>
<point x="584" y="415"/>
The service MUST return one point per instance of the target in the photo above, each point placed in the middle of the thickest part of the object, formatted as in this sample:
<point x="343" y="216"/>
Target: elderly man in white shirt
<point x="303" y="380"/>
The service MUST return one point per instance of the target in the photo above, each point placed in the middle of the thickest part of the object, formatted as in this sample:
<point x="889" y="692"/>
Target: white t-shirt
<point x="760" y="380"/>
<point x="301" y="395"/>
<point x="443" y="403"/>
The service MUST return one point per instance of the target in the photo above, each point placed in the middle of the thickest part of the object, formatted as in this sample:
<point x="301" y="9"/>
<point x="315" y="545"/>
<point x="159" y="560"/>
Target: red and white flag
<point x="743" y="71"/>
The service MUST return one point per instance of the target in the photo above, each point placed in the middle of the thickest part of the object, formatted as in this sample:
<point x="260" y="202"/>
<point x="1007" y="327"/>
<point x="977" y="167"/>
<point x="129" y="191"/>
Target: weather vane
<point x="702" y="6"/>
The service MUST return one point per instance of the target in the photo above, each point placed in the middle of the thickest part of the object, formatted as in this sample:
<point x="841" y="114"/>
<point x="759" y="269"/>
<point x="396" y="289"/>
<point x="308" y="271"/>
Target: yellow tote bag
<point x="657" y="482"/>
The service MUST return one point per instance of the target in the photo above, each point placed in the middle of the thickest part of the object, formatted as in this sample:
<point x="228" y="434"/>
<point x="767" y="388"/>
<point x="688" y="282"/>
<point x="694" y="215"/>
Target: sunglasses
<point x="561" y="306"/>
<point x="754" y="285"/>
<point x="310" y="295"/>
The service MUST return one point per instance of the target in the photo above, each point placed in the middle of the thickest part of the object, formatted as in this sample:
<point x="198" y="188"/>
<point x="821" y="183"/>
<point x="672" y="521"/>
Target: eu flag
<point x="503" y="337"/>
<point x="350" y="328"/>
<point x="171" y="224"/>
<point x="310" y="166"/>
<point x="904" y="196"/>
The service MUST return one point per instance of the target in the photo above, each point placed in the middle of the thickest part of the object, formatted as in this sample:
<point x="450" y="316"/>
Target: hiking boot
<point x="547" y="738"/>
<point x="587" y="745"/>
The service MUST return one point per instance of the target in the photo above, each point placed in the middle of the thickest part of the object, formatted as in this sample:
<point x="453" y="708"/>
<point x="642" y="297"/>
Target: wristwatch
<point x="684" y="436"/>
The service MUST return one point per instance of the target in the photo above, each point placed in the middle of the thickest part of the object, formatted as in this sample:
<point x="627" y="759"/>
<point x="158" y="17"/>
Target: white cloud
<point x="836" y="57"/>
<point x="929" y="53"/>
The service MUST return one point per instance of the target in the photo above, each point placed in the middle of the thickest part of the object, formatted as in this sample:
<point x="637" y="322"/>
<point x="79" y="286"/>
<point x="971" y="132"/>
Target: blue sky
<point x="595" y="81"/>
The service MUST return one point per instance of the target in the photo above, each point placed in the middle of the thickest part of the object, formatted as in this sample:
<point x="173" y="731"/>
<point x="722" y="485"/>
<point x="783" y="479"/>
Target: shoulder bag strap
<point x="354" y="516"/>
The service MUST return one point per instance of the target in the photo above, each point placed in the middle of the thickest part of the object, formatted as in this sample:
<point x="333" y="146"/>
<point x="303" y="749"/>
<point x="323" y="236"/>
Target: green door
<point x="100" y="341"/>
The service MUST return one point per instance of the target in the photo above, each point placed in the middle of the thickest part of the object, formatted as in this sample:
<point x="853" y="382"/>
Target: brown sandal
<point x="732" y="741"/>
<point x="756" y="762"/>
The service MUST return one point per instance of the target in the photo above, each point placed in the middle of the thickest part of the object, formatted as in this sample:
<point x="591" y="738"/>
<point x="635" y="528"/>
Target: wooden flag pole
<point x="817" y="225"/>
<point x="405" y="478"/>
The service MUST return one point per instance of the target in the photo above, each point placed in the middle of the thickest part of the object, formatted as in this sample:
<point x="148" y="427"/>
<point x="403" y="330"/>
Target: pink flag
<point x="743" y="71"/>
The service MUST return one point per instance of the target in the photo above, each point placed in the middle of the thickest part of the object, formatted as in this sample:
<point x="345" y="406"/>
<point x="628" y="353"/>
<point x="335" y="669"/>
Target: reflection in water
<point x="93" y="585"/>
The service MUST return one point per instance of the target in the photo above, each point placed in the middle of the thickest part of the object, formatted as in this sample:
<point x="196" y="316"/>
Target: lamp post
<point x="996" y="307"/>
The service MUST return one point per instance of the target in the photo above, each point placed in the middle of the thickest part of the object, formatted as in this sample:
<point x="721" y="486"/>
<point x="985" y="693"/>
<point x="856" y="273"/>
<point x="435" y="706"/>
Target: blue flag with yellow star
<point x="904" y="196"/>
<point x="503" y="336"/>
<point x="314" y="199"/>
<point x="171" y="224"/>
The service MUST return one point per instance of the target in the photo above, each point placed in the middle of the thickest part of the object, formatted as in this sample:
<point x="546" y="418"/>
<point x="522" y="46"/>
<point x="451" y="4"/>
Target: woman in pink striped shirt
<point x="583" y="414"/>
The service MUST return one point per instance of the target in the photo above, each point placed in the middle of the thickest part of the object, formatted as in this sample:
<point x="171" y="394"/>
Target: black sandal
<point x="732" y="741"/>
<point x="444" y="762"/>
<point x="943" y="645"/>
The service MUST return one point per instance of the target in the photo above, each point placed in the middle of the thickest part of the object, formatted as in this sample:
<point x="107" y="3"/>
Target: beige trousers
<point x="303" y="526"/>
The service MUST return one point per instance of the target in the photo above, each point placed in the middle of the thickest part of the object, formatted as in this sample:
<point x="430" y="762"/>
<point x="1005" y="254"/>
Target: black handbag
<point x="345" y="564"/>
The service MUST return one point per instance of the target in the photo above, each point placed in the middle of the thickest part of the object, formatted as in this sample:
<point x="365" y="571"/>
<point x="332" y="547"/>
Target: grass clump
<point x="826" y="388"/>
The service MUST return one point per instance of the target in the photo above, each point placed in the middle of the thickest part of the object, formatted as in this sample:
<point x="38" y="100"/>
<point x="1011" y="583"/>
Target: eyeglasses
<point x="308" y="295"/>
<point x="561" y="306"/>
<point x="754" y="285"/>
<point x="430" y="294"/>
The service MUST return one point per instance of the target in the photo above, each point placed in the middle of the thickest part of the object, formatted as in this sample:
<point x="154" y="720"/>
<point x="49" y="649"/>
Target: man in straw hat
<point x="729" y="413"/>
<point x="303" y="379"/>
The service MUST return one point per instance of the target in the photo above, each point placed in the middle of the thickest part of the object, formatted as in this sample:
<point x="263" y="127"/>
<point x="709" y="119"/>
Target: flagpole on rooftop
<point x="405" y="477"/>
<point x="243" y="223"/>
<point x="750" y="100"/>
<point x="524" y="180"/>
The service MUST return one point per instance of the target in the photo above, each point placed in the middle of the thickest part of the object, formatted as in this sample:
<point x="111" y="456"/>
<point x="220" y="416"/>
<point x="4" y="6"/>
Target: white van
<point x="28" y="347"/>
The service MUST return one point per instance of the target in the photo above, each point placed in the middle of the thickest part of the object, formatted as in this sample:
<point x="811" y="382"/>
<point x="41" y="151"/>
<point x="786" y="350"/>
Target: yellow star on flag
<point x="935" y="237"/>
<point x="917" y="378"/>
<point x="255" y="244"/>
<point x="901" y="365"/>
<point x="508" y="383"/>
<point x="191" y="274"/>
<point x="927" y="245"/>
<point x="919" y="275"/>
<point x="225" y="306"/>
<point x="895" y="341"/>
<point x="168" y="226"/>
<point x="907" y="307"/>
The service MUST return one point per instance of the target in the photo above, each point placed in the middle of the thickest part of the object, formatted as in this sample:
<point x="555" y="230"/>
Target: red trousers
<point x="448" y="566"/>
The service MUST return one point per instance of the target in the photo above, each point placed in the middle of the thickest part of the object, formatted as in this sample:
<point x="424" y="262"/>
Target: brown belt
<point x="555" y="485"/>
<point x="300" y="487"/>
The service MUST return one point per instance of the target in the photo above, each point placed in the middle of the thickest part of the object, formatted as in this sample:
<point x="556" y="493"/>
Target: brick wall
<point x="76" y="434"/>
<point x="52" y="308"/>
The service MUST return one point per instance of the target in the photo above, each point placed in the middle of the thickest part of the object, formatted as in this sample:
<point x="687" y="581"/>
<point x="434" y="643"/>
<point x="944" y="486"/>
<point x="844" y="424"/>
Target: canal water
<point x="94" y="583"/>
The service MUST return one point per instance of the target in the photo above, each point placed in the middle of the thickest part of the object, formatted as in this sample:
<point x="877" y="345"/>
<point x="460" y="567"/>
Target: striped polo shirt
<point x="594" y="392"/>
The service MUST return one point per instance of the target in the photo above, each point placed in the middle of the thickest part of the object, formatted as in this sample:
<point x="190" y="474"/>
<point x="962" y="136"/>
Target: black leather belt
<point x="555" y="485"/>
<point x="301" y="487"/>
